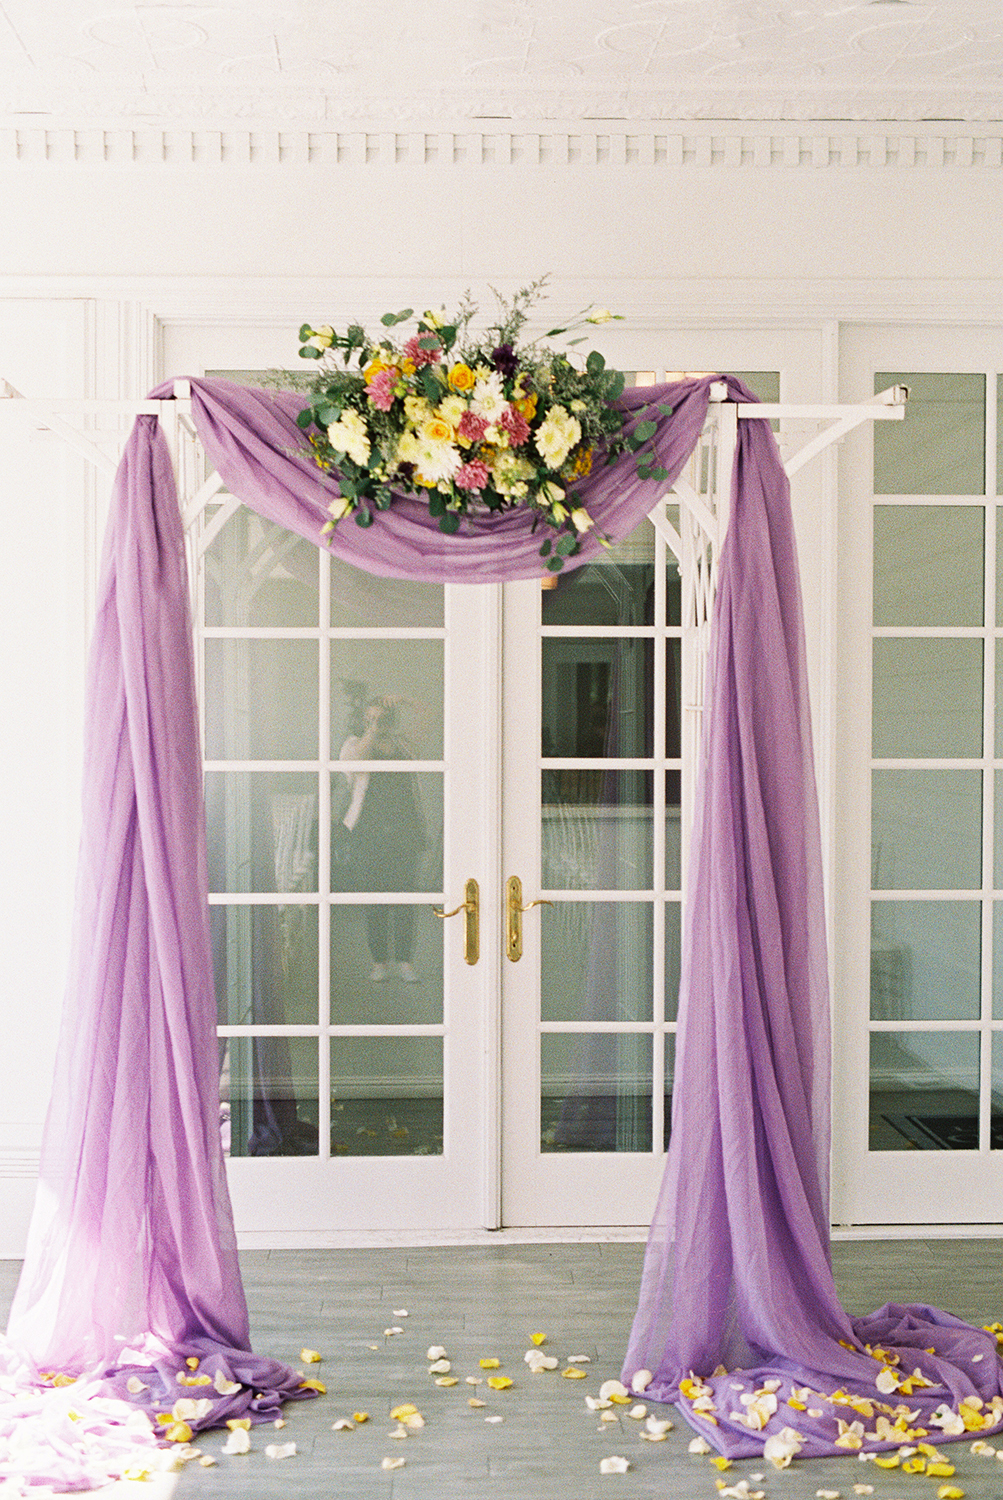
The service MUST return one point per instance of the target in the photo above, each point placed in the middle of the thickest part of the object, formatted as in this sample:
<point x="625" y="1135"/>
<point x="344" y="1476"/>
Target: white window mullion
<point x="324" y="860"/>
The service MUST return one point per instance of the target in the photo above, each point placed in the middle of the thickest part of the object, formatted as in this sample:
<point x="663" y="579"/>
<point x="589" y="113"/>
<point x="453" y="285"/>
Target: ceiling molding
<point x="685" y="144"/>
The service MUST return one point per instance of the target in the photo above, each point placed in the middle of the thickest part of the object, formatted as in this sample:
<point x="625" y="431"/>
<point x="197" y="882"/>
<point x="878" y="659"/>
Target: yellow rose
<point x="375" y="366"/>
<point x="526" y="407"/>
<point x="437" y="431"/>
<point x="461" y="377"/>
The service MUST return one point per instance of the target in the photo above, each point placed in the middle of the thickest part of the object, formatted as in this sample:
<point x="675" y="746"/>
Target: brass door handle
<point x="471" y="907"/>
<point x="513" y="916"/>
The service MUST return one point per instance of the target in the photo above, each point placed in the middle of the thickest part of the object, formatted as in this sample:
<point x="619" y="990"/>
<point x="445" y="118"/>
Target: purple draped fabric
<point x="132" y="1259"/>
<point x="737" y="1272"/>
<point x="131" y="1266"/>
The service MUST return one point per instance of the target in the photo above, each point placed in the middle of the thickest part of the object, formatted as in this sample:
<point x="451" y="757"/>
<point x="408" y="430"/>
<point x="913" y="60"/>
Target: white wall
<point x="96" y="260"/>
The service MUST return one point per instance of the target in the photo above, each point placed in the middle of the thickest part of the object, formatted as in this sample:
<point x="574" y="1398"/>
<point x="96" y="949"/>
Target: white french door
<point x="919" y="1082"/>
<point x="372" y="1075"/>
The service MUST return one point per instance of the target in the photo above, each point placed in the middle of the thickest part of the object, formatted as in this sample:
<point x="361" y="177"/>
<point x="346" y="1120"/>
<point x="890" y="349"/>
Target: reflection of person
<point x="387" y="831"/>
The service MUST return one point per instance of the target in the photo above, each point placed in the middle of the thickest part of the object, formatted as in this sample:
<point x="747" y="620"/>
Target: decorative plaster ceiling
<point x="383" y="62"/>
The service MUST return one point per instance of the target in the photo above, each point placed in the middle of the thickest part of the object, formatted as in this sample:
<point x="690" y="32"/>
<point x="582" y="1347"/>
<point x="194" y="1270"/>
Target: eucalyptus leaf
<point x="305" y="417"/>
<point x="449" y="522"/>
<point x="547" y="548"/>
<point x="363" y="517"/>
<point x="595" y="364"/>
<point x="555" y="564"/>
<point x="665" y="409"/>
<point x="436" y="505"/>
<point x="645" y="430"/>
<point x="306" y="332"/>
<point x="310" y="353"/>
<point x="566" y="545"/>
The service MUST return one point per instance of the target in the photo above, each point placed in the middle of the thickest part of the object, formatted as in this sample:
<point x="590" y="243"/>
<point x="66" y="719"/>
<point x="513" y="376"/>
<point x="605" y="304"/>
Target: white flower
<point x="488" y="396"/>
<point x="417" y="409"/>
<point x="556" y="436"/>
<point x="509" y="473"/>
<point x="349" y="436"/>
<point x="580" y="519"/>
<point x="321" y="338"/>
<point x="601" y="315"/>
<point x="434" y="318"/>
<point x="338" y="508"/>
<point x="436" y="461"/>
<point x="782" y="1447"/>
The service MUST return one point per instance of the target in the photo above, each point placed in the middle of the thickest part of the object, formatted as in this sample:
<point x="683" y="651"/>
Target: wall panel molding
<point x="704" y="144"/>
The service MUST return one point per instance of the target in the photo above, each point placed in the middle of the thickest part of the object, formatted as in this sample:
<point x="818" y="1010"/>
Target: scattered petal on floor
<point x="698" y="1445"/>
<point x="653" y="1437"/>
<point x="489" y="1364"/>
<point x="720" y="1462"/>
<point x="950" y="1492"/>
<point x="441" y="1367"/>
<point x="447" y="1380"/>
<point x="310" y="1356"/>
<point x="863" y="1489"/>
<point x="573" y="1373"/>
<point x="207" y="1461"/>
<point x="407" y="1409"/>
<point x="609" y="1416"/>
<point x="638" y="1410"/>
<point x="280" y="1450"/>
<point x="782" y="1446"/>
<point x="239" y="1422"/>
<point x="614" y="1465"/>
<point x="359" y="1416"/>
<point x="475" y="1401"/>
<point x="610" y="1389"/>
<point x="474" y="1380"/>
<point x="343" y="1425"/>
<point x="827" y="1494"/>
<point x="595" y="1403"/>
<point x="393" y="1463"/>
<point x="739" y="1491"/>
<point x="494" y="1419"/>
<point x="435" y="1351"/>
<point x="499" y="1382"/>
<point x="388" y="1333"/>
<point x="538" y="1338"/>
<point x="314" y="1385"/>
<point x="660" y="1425"/>
<point x="984" y="1450"/>
<point x="579" y="1359"/>
<point x="640" y="1380"/>
<point x="224" y="1386"/>
<point x="400" y="1312"/>
<point x="239" y="1441"/>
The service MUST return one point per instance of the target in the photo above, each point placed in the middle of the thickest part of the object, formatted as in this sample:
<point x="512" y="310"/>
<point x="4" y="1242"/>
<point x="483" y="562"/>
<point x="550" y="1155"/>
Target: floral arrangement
<point x="467" y="422"/>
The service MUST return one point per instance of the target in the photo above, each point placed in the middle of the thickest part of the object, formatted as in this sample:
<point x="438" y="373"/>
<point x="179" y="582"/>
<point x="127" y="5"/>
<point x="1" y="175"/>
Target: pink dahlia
<point x="380" y="389"/>
<point x="515" y="424"/>
<point x="472" y="476"/>
<point x="471" y="426"/>
<point x="421" y="350"/>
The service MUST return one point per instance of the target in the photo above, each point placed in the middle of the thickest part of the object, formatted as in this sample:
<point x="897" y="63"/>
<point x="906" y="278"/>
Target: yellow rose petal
<point x="940" y="1470"/>
<point x="235" y="1422"/>
<point x="887" y="1460"/>
<point x="720" y="1462"/>
<point x="950" y="1492"/>
<point x="178" y="1432"/>
<point x="572" y="1373"/>
<point x="400" y="1412"/>
<point x="499" y="1382"/>
<point x="360" y="1416"/>
<point x="310" y="1356"/>
<point x="538" y="1338"/>
<point x="490" y="1364"/>
<point x="313" y="1385"/>
<point x="476" y="1402"/>
<point x="447" y="1380"/>
<point x="192" y="1362"/>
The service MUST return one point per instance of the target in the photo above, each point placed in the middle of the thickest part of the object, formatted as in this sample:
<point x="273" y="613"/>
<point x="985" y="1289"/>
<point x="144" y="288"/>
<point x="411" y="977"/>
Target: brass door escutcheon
<point x="513" y="917"/>
<point x="471" y="908"/>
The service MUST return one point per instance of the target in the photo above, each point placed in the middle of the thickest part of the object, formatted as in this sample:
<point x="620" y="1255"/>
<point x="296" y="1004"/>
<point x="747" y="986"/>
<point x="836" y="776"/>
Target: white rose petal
<point x="698" y="1445"/>
<point x="393" y="1463"/>
<point x="637" y="1411"/>
<point x="614" y="1465"/>
<point x="441" y="1367"/>
<point x="640" y="1380"/>
<point x="280" y="1450"/>
<point x="239" y="1441"/>
<point x="223" y="1386"/>
<point x="436" y="1351"/>
<point x="612" y="1388"/>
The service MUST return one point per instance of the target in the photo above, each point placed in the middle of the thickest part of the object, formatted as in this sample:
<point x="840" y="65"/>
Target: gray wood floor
<point x="485" y="1301"/>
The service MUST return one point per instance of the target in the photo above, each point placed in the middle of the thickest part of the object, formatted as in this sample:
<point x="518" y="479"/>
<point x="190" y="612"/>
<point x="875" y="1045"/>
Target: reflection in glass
<point x="939" y="447"/>
<point x="595" y="1092"/>
<point x="673" y="832"/>
<point x="998" y="960"/>
<point x="386" y="830"/>
<point x="257" y="573"/>
<point x="927" y="697"/>
<point x="363" y="600"/>
<point x="261" y="700"/>
<point x="926" y="960"/>
<point x="596" y="961"/>
<point x="673" y="574"/>
<point x="924" y="1091"/>
<point x="596" y="830"/>
<point x="673" y="955"/>
<point x="404" y="989"/>
<point x="386" y="699"/>
<point x="265" y="963"/>
<point x="597" y="696"/>
<point x="386" y="1096"/>
<point x="996" y="1098"/>
<point x="928" y="562"/>
<point x="617" y="588"/>
<point x="926" y="830"/>
<point x="670" y="1073"/>
<point x="269" y="1096"/>
<point x="261" y="829"/>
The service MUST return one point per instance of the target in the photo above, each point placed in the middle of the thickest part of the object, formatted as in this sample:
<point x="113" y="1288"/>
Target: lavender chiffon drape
<point x="737" y="1273"/>
<point x="131" y="1267"/>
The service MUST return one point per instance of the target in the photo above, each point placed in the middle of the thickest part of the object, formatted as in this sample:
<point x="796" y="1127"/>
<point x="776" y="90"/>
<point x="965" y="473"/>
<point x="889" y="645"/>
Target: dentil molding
<point x="692" y="144"/>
